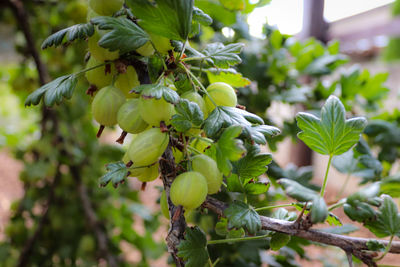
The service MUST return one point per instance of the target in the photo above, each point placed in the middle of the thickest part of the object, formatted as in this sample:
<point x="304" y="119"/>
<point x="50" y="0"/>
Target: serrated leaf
<point x="78" y="31"/>
<point x="387" y="221"/>
<point x="54" y="91"/>
<point x="232" y="78"/>
<point x="157" y="91"/>
<point x="331" y="134"/>
<point x="240" y="214"/>
<point x="360" y="213"/>
<point x="221" y="227"/>
<point x="223" y="56"/>
<point x="332" y="219"/>
<point x="188" y="115"/>
<point x="124" y="35"/>
<point x="201" y="17"/>
<point x="228" y="148"/>
<point x="223" y="117"/>
<point x="169" y="18"/>
<point x="279" y="240"/>
<point x="253" y="164"/>
<point x="117" y="172"/>
<point x="193" y="248"/>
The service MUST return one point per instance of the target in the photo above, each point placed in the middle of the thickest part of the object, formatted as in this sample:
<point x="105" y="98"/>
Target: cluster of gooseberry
<point x="148" y="119"/>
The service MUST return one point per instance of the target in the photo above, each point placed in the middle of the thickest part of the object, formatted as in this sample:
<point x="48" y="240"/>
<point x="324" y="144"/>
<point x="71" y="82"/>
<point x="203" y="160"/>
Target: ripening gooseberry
<point x="126" y="81"/>
<point x="129" y="119"/>
<point x="106" y="104"/>
<point x="189" y="190"/>
<point x="106" y="7"/>
<point x="195" y="97"/>
<point x="146" y="174"/>
<point x="164" y="204"/>
<point x="222" y="94"/>
<point x="208" y="167"/>
<point x="100" y="53"/>
<point x="98" y="76"/>
<point x="153" y="111"/>
<point x="147" y="147"/>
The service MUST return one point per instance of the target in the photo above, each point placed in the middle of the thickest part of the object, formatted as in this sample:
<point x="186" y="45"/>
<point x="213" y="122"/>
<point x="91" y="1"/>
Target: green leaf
<point x="240" y="214"/>
<point x="169" y="18"/>
<point x="297" y="191"/>
<point x="193" y="250"/>
<point x="375" y="245"/>
<point x="253" y="164"/>
<point x="325" y="64"/>
<point x="332" y="134"/>
<point x="223" y="56"/>
<point x="255" y="188"/>
<point x="157" y="91"/>
<point x="124" y="35"/>
<point x="188" y="115"/>
<point x="340" y="230"/>
<point x="279" y="240"/>
<point x="391" y="186"/>
<point x="221" y="227"/>
<point x="223" y="117"/>
<point x="247" y="186"/>
<point x="201" y="17"/>
<point x="228" y="148"/>
<point x="387" y="222"/>
<point x="78" y="31"/>
<point x="332" y="219"/>
<point x="54" y="91"/>
<point x="283" y="214"/>
<point x="117" y="172"/>
<point x="232" y="78"/>
<point x="319" y="210"/>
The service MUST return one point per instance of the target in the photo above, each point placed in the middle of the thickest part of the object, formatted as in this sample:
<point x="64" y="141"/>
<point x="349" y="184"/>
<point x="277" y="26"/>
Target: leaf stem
<point x="199" y="84"/>
<point x="337" y="205"/>
<point x="233" y="240"/>
<point x="91" y="68"/>
<point x="158" y="55"/>
<point x="389" y="245"/>
<point x="326" y="176"/>
<point x="273" y="207"/>
<point x="210" y="262"/>
<point x="195" y="58"/>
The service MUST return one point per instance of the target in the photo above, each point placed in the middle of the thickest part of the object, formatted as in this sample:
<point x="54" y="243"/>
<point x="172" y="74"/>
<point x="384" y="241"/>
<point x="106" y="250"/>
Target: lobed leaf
<point x="188" y="115"/>
<point x="169" y="18"/>
<point x="78" y="31"/>
<point x="193" y="249"/>
<point x="157" y="91"/>
<point x="240" y="214"/>
<point x="117" y="172"/>
<point x="124" y="35"/>
<point x="223" y="56"/>
<point x="223" y="117"/>
<point x="331" y="134"/>
<point x="54" y="91"/>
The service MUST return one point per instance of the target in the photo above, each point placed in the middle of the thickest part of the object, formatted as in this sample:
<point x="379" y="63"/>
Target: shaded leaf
<point x="78" y="31"/>
<point x="375" y="245"/>
<point x="201" y="17"/>
<point x="193" y="249"/>
<point x="332" y="134"/>
<point x="124" y="35"/>
<point x="117" y="172"/>
<point x="157" y="91"/>
<point x="319" y="210"/>
<point x="297" y="191"/>
<point x="240" y="214"/>
<point x="188" y="115"/>
<point x="279" y="240"/>
<point x="223" y="117"/>
<point x="387" y="222"/>
<point x="169" y="18"/>
<point x="54" y="91"/>
<point x="284" y="214"/>
<point x="340" y="230"/>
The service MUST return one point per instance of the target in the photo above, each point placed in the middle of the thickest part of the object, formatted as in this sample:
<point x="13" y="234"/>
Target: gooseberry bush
<point x="190" y="131"/>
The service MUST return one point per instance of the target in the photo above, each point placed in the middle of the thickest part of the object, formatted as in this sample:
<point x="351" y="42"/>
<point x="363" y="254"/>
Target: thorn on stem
<point x="121" y="139"/>
<point x="100" y="131"/>
<point x="143" y="187"/>
<point x="129" y="164"/>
